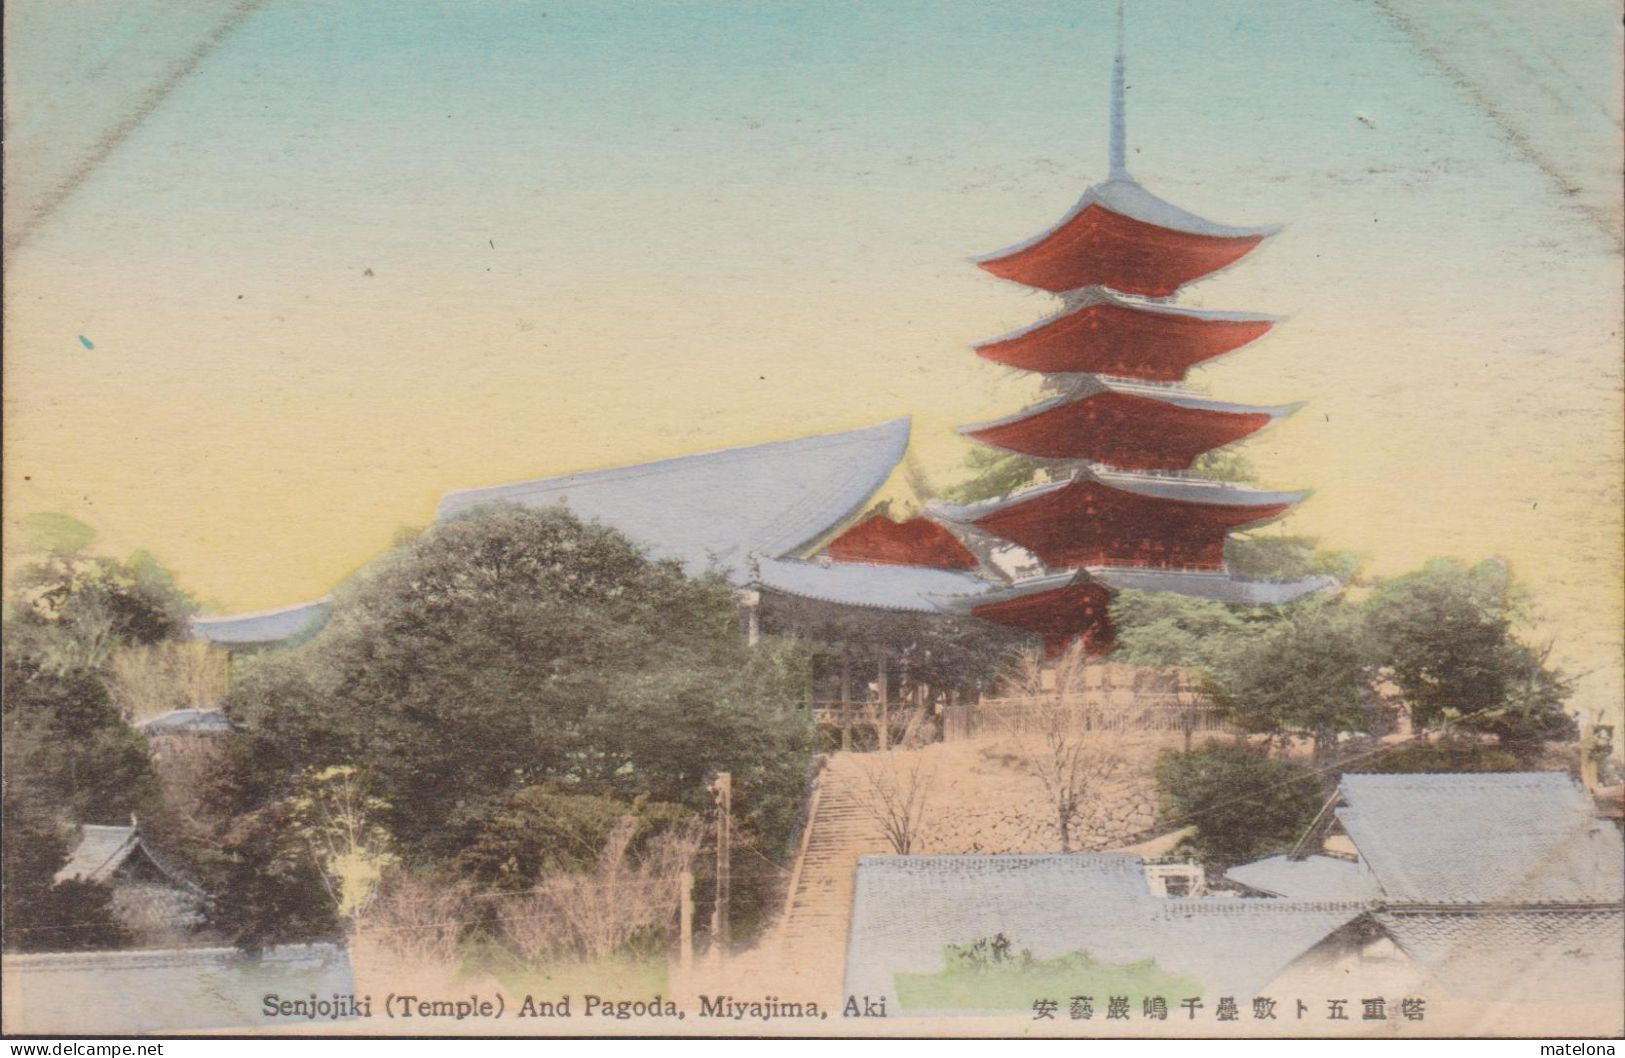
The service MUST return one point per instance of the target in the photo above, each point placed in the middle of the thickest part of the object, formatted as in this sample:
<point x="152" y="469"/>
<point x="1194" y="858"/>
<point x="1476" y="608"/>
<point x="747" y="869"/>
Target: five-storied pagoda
<point x="1122" y="508"/>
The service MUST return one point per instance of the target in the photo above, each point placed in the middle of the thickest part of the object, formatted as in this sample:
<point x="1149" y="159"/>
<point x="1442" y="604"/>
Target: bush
<point x="1447" y="756"/>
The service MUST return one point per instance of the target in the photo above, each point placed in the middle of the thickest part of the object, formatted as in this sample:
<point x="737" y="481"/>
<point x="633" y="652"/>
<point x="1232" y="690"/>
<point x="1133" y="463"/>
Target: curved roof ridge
<point x="892" y="430"/>
<point x="1090" y="384"/>
<point x="1125" y="196"/>
<point x="1088" y="297"/>
<point x="1154" y="486"/>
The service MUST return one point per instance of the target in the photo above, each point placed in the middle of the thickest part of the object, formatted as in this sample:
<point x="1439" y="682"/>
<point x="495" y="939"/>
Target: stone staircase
<point x="809" y="942"/>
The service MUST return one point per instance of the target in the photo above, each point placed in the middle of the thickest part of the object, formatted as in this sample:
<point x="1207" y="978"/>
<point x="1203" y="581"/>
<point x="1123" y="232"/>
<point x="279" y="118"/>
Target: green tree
<point x="1165" y="630"/>
<point x="35" y="833"/>
<point x="513" y="648"/>
<point x="994" y="472"/>
<point x="1258" y="556"/>
<point x="70" y="758"/>
<point x="1448" y="634"/>
<point x="545" y="828"/>
<point x="267" y="889"/>
<point x="1244" y="803"/>
<point x="1309" y="672"/>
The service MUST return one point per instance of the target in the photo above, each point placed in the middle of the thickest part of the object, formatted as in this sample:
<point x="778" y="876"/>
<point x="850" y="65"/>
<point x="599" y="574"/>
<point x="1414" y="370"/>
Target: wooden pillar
<point x="722" y="789"/>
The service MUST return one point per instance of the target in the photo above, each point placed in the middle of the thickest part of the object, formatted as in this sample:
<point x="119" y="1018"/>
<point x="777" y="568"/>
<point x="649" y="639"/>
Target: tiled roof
<point x="100" y="852"/>
<point x="1201" y="584"/>
<point x="1313" y="878"/>
<point x="1491" y="838"/>
<point x="1528" y="955"/>
<point x="1237" y="946"/>
<point x="1217" y="586"/>
<point x="264" y="627"/>
<point x="916" y="589"/>
<point x="187" y="721"/>
<point x="122" y="993"/>
<point x="721" y="508"/>
<point x="907" y="909"/>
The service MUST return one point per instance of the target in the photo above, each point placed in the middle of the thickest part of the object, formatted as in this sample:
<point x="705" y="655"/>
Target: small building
<point x="1501" y="895"/>
<point x="186" y="723"/>
<point x="151" y="898"/>
<point x="1491" y="903"/>
<point x="910" y="913"/>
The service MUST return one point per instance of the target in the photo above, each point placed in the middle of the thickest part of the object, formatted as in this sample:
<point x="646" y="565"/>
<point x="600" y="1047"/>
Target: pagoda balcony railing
<point x="1156" y="383"/>
<point x="1195" y="477"/>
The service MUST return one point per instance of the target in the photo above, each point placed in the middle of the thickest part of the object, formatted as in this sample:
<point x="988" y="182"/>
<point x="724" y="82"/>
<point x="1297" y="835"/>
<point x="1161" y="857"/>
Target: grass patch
<point x="1016" y="982"/>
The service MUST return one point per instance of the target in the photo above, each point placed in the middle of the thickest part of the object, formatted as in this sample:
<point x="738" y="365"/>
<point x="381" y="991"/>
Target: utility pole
<point x="722" y="794"/>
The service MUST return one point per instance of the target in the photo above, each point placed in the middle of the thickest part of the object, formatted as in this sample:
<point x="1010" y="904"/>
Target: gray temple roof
<point x="102" y="850"/>
<point x="1210" y="584"/>
<point x="1312" y="878"/>
<point x="1216" y="585"/>
<point x="914" y="589"/>
<point x="907" y="909"/>
<point x="187" y="722"/>
<point x="721" y="508"/>
<point x="1525" y="955"/>
<point x="713" y="509"/>
<point x="1524" y="838"/>
<point x="264" y="627"/>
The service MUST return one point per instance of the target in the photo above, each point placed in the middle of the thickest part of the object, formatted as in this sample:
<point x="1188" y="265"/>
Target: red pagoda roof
<point x="1099" y="516"/>
<point x="1123" y="237"/>
<point x="915" y="542"/>
<point x="1123" y="424"/>
<point x="1103" y="332"/>
<point x="1061" y="608"/>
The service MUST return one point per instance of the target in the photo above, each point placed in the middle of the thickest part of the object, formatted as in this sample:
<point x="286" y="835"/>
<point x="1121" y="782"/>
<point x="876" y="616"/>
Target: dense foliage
<point x="1163" y="630"/>
<point x="517" y="648"/>
<point x="1445" y="756"/>
<point x="1447" y="633"/>
<point x="1244" y="803"/>
<point x="70" y="757"/>
<point x="1309" y="672"/>
<point x="993" y="472"/>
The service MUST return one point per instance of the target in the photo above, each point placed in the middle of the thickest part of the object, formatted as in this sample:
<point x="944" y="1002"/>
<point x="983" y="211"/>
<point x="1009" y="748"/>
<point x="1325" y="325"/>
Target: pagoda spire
<point x="1119" y="143"/>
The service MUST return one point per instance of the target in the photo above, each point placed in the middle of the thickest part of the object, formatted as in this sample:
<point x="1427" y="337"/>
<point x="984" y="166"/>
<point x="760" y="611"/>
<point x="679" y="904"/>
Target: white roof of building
<point x="721" y="508"/>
